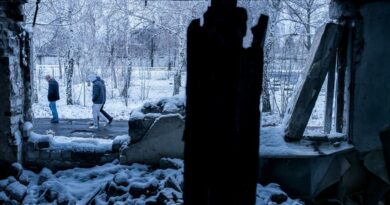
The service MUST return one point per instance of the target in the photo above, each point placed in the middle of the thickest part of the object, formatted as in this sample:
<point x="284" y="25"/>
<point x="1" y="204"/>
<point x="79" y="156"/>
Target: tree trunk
<point x="125" y="91"/>
<point x="59" y="66"/>
<point x="308" y="31"/>
<point x="69" y="76"/>
<point x="112" y="66"/>
<point x="152" y="48"/>
<point x="176" y="82"/>
<point x="182" y="63"/>
<point x="266" y="97"/>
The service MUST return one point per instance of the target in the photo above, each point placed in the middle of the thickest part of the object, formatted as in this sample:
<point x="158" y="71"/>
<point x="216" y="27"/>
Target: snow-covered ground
<point x="112" y="183"/>
<point x="145" y="86"/>
<point x="152" y="85"/>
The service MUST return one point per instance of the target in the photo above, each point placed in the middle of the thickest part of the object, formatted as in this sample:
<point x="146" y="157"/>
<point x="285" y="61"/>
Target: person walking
<point x="97" y="99"/>
<point x="53" y="96"/>
<point x="102" y="111"/>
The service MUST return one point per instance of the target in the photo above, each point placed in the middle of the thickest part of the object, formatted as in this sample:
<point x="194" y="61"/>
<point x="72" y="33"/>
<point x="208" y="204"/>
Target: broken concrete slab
<point x="138" y="127"/>
<point x="374" y="162"/>
<point x="322" y="58"/>
<point x="164" y="139"/>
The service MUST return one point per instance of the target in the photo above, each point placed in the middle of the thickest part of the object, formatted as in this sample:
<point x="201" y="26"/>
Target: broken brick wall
<point x="15" y="75"/>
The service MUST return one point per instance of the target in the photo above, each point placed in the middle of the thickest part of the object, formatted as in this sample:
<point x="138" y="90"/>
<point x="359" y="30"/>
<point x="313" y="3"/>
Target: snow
<point x="73" y="143"/>
<point x="272" y="144"/>
<point x="122" y="139"/>
<point x="170" y="107"/>
<point x="264" y="194"/>
<point x="46" y="173"/>
<point x="3" y="196"/>
<point x="143" y="184"/>
<point x="112" y="182"/>
<point x="17" y="166"/>
<point x="27" y="126"/>
<point x="17" y="138"/>
<point x="121" y="178"/>
<point x="16" y="190"/>
<point x="137" y="115"/>
<point x="4" y="183"/>
<point x="26" y="177"/>
<point x="35" y="138"/>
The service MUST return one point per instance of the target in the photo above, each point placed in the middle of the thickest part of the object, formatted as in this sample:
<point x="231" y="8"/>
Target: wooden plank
<point x="322" y="57"/>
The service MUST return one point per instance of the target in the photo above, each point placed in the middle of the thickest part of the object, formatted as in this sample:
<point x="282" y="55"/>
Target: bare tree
<point x="274" y="8"/>
<point x="69" y="79"/>
<point x="308" y="14"/>
<point x="97" y="35"/>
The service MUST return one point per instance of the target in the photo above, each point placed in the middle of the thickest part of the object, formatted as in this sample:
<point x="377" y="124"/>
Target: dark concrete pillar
<point x="370" y="75"/>
<point x="222" y="110"/>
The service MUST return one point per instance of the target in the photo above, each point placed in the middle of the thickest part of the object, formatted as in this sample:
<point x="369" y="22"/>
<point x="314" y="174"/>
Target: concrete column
<point x="370" y="108"/>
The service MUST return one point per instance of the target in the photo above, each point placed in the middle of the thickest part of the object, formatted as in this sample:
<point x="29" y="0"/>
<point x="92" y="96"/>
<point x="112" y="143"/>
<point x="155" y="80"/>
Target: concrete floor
<point x="79" y="128"/>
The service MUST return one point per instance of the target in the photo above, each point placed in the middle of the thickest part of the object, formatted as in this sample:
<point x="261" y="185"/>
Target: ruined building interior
<point x="349" y="166"/>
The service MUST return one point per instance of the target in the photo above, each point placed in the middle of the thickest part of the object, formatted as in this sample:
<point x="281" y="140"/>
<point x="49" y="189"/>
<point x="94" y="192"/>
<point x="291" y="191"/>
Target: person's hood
<point x="92" y="77"/>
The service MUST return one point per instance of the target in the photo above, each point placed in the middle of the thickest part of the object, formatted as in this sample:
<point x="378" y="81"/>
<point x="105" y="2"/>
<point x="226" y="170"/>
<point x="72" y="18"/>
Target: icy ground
<point x="112" y="183"/>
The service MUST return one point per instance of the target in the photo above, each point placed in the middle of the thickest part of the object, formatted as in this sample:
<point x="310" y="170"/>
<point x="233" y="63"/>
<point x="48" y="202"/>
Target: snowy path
<point x="79" y="128"/>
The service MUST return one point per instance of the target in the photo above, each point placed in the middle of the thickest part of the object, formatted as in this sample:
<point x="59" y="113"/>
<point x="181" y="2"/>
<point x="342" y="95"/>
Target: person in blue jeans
<point x="53" y="95"/>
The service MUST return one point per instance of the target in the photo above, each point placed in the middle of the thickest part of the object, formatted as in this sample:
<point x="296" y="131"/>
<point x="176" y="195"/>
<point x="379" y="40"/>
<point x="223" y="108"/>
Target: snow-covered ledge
<point x="315" y="143"/>
<point x="60" y="152"/>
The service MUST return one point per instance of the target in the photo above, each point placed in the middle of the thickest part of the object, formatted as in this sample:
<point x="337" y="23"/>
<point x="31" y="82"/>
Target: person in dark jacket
<point x="105" y="114"/>
<point x="98" y="98"/>
<point x="52" y="96"/>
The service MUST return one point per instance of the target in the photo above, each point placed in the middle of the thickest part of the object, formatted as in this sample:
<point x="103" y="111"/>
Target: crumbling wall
<point x="371" y="103"/>
<point x="14" y="78"/>
<point x="369" y="107"/>
<point x="369" y="61"/>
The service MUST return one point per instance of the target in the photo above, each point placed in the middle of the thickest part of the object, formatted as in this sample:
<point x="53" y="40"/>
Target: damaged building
<point x="347" y="166"/>
<point x="356" y="46"/>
